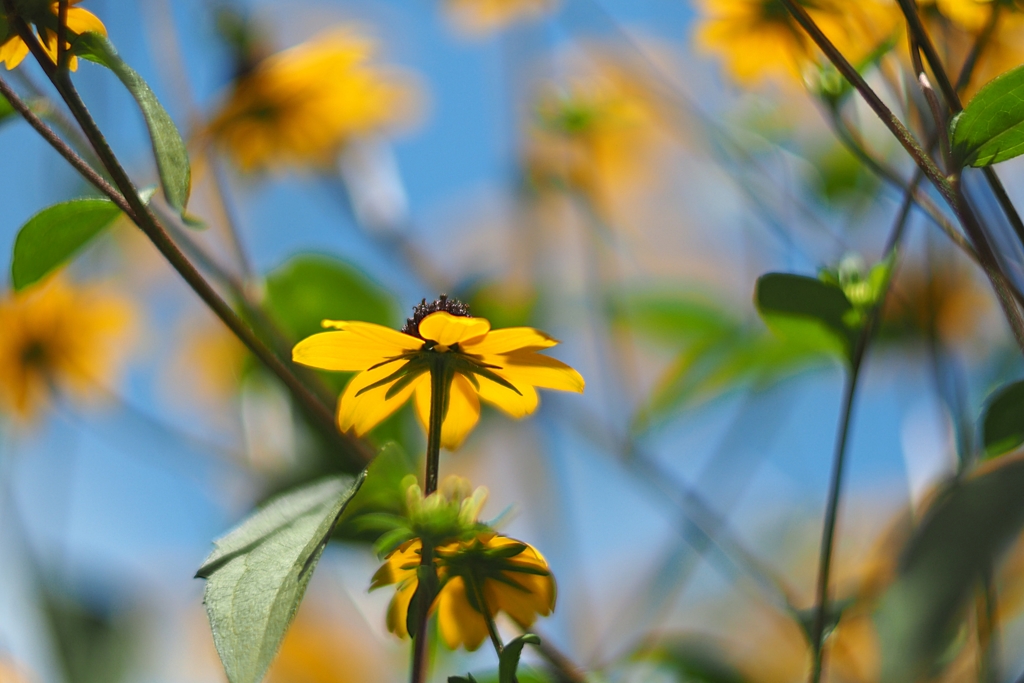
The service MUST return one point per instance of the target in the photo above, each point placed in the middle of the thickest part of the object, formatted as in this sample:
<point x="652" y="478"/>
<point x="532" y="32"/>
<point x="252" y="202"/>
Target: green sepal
<point x="508" y="662"/>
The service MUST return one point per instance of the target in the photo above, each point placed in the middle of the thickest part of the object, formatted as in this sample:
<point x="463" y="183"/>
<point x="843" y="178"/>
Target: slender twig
<point x="355" y="452"/>
<point x="859" y="351"/>
<point x="982" y="41"/>
<point x="948" y="187"/>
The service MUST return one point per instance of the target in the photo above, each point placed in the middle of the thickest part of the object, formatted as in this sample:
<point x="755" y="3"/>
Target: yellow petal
<point x="516" y="405"/>
<point x="84" y="21"/>
<point x="540" y="371"/>
<point x="365" y="411"/>
<point x="460" y="624"/>
<point x="13" y="52"/>
<point x="392" y="341"/>
<point x="510" y="339"/>
<point x="447" y="329"/>
<point x="343" y="351"/>
<point x="398" y="609"/>
<point x="463" y="410"/>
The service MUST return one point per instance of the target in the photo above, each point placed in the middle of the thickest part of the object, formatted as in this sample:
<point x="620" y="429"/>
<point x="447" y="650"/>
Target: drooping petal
<point x="460" y="624"/>
<point x="400" y="565"/>
<point x="463" y="410"/>
<point x="510" y="339"/>
<point x="447" y="329"/>
<point x="84" y="21"/>
<point x="540" y="371"/>
<point x="516" y="405"/>
<point x="343" y="351"/>
<point x="13" y="52"/>
<point x="362" y="412"/>
<point x="398" y="608"/>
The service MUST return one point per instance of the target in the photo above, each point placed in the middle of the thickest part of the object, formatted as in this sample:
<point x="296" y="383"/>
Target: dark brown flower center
<point x="423" y="309"/>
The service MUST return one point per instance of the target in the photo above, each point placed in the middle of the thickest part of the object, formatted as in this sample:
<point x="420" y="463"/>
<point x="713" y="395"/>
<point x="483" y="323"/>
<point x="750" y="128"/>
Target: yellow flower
<point x="602" y="135"/>
<point x="14" y="49"/>
<point x="488" y="574"/>
<point x="759" y="39"/>
<point x="299" y="107"/>
<point x="57" y="336"/>
<point x="485" y="16"/>
<point x="503" y="367"/>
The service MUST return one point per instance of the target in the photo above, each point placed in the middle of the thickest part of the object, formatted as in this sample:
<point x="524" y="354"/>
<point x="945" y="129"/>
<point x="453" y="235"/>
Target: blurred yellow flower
<point x="602" y="134"/>
<point x="299" y="107"/>
<point x="487" y="574"/>
<point x="59" y="337"/>
<point x="759" y="39"/>
<point x="208" y="363"/>
<point x="485" y="16"/>
<point x="14" y="49"/>
<point x="500" y="366"/>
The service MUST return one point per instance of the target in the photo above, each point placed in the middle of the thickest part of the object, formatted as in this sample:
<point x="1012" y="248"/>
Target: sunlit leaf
<point x="806" y="311"/>
<point x="1003" y="424"/>
<point x="54" y="235"/>
<point x="961" y="536"/>
<point x="310" y="288"/>
<point x="258" y="573"/>
<point x="168" y="147"/>
<point x="990" y="129"/>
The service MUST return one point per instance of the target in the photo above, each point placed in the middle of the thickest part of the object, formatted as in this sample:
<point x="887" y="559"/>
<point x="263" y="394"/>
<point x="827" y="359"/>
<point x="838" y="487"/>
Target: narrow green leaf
<point x="806" y="311"/>
<point x="168" y="147"/>
<point x="961" y="536"/>
<point x="990" y="129"/>
<point x="1003" y="424"/>
<point x="509" y="661"/>
<point x="258" y="573"/>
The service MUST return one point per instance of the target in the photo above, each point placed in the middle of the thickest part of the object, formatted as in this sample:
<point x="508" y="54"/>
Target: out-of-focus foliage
<point x="1003" y="422"/>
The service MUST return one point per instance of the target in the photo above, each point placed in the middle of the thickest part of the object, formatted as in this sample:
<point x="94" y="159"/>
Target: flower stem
<point x="440" y="382"/>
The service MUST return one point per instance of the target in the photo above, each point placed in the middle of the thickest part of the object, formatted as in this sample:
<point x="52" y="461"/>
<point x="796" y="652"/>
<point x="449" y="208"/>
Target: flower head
<point x="299" y="107"/>
<point x="759" y="39"/>
<point x="503" y="367"/>
<point x="13" y="49"/>
<point x="484" y="575"/>
<point x="486" y="16"/>
<point x="58" y="336"/>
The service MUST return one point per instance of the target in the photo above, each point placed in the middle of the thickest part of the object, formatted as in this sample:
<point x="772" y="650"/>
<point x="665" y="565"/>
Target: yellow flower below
<point x="485" y="574"/>
<point x="502" y="367"/>
<point x="58" y="336"/>
<point x="299" y="107"/>
<point x="14" y="50"/>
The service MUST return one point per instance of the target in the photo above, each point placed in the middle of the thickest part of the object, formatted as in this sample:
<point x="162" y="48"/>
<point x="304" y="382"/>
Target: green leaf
<point x="6" y="110"/>
<point x="258" y="573"/>
<point x="1003" y="424"/>
<point x="50" y="238"/>
<point x="675" y="317"/>
<point x="990" y="129"/>
<point x="309" y="288"/>
<point x="509" y="660"/>
<point x="381" y="493"/>
<point x="168" y="147"/>
<point x="468" y="678"/>
<point x="693" y="660"/>
<point x="960" y="538"/>
<point x="806" y="311"/>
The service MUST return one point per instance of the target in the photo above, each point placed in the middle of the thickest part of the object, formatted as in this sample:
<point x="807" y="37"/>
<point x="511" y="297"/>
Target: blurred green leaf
<point x="168" y="147"/>
<point x="961" y="536"/>
<point x="258" y="573"/>
<point x="50" y="238"/>
<point x="381" y="493"/>
<point x="93" y="645"/>
<point x="508" y="662"/>
<point x="807" y="312"/>
<point x="310" y="288"/>
<point x="673" y="316"/>
<point x="990" y="129"/>
<point x="1003" y="423"/>
<point x="525" y="675"/>
<point x="692" y="660"/>
<point x="6" y="110"/>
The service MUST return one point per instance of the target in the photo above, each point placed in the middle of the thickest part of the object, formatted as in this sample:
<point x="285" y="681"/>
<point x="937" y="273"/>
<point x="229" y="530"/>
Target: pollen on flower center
<point x="423" y="309"/>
